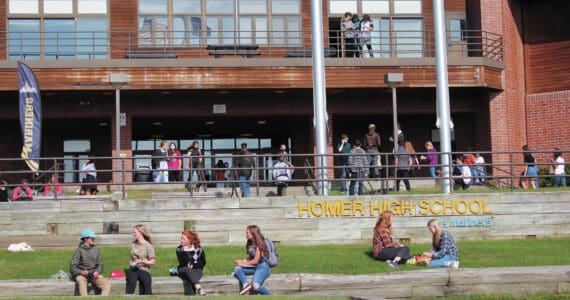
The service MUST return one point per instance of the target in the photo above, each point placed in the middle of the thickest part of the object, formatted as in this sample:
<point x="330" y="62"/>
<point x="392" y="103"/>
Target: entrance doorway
<point x="75" y="152"/>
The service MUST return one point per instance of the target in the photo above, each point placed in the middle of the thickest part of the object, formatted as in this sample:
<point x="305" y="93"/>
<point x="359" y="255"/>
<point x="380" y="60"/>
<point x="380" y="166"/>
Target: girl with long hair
<point x="255" y="264"/>
<point x="142" y="259"/>
<point x="191" y="262"/>
<point x="443" y="251"/>
<point x="383" y="246"/>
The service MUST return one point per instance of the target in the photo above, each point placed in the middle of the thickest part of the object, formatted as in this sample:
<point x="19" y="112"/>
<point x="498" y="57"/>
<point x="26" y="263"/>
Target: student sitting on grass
<point x="86" y="265"/>
<point x="384" y="248"/>
<point x="443" y="251"/>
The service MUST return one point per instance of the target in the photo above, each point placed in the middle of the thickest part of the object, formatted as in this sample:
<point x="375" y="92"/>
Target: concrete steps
<point x="413" y="284"/>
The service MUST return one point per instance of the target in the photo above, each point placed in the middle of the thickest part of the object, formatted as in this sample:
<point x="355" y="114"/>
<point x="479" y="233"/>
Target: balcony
<point x="132" y="45"/>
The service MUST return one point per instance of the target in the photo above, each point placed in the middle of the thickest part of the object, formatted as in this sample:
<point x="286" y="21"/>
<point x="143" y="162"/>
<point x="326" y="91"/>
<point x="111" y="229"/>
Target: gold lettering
<point x="301" y="209"/>
<point x="433" y="208"/>
<point x="461" y="206"/>
<point x="424" y="207"/>
<point x="475" y="210"/>
<point x="395" y="207"/>
<point x="407" y="207"/>
<point x="374" y="207"/>
<point x="448" y="204"/>
<point x="358" y="206"/>
<point x="346" y="208"/>
<point x="485" y="210"/>
<point x="332" y="210"/>
<point x="320" y="211"/>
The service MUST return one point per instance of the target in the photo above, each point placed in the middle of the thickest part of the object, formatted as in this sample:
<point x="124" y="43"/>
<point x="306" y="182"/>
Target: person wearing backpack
<point x="256" y="263"/>
<point x="282" y="174"/>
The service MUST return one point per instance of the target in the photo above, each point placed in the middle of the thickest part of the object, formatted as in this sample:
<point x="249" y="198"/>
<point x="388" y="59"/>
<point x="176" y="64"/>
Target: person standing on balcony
<point x="356" y="21"/>
<point x="344" y="148"/>
<point x="174" y="162"/>
<point x="366" y="28"/>
<point x="347" y="31"/>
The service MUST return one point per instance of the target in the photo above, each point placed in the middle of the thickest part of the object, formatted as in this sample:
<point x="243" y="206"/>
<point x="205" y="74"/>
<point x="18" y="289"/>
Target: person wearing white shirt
<point x="559" y="172"/>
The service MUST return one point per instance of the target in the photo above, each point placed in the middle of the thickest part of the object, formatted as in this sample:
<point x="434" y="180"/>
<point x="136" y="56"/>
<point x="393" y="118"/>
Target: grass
<point x="324" y="259"/>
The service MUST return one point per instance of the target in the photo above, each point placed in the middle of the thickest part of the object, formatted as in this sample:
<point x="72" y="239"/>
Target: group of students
<point x="87" y="267"/>
<point x="356" y="33"/>
<point x="442" y="253"/>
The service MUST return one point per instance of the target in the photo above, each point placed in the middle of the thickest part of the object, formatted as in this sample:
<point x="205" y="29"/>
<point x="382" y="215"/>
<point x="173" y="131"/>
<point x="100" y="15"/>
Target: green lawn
<point x="325" y="259"/>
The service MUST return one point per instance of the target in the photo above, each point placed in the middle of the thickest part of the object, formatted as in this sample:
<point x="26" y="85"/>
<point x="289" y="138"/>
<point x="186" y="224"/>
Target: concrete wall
<point x="293" y="220"/>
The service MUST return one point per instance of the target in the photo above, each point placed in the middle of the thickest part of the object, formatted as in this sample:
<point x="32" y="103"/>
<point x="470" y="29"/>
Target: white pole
<point x="118" y="133"/>
<point x="319" y="95"/>
<point x="442" y="91"/>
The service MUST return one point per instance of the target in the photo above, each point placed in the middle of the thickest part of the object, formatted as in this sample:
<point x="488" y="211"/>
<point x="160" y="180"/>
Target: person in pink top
<point x="48" y="189"/>
<point x="23" y="192"/>
<point x="174" y="162"/>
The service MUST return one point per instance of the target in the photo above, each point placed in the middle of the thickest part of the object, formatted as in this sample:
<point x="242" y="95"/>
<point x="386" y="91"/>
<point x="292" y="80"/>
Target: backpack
<point x="272" y="257"/>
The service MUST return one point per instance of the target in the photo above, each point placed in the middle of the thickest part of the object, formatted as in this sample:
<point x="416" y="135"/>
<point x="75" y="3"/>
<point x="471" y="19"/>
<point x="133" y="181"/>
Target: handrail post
<point x="123" y="192"/>
<point x="54" y="188"/>
<point x="190" y="176"/>
<point x="256" y="175"/>
<point x="512" y="171"/>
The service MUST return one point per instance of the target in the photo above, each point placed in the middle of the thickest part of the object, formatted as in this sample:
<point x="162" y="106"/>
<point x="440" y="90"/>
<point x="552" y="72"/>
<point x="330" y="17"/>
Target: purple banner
<point x="30" y="116"/>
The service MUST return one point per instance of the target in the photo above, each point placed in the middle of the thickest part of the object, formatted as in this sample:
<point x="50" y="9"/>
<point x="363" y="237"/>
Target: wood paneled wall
<point x="547" y="45"/>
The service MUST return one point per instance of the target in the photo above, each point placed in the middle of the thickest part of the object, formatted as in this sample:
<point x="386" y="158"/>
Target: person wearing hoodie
<point x="87" y="266"/>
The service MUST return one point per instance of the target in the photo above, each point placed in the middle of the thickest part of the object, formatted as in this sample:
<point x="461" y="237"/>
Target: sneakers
<point x="392" y="264"/>
<point x="453" y="264"/>
<point x="201" y="292"/>
<point x="246" y="288"/>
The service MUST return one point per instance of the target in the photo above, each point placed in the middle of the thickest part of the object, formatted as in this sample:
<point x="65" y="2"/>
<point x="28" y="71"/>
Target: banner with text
<point x="30" y="116"/>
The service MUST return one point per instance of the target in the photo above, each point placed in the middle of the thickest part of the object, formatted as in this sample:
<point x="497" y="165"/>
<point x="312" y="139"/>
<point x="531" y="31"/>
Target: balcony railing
<point x="127" y="174"/>
<point x="248" y="44"/>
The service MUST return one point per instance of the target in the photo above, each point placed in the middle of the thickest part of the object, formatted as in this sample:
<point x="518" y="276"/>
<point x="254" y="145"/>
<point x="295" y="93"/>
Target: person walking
<point x="282" y="174"/>
<point x="359" y="163"/>
<point x="244" y="164"/>
<point x="403" y="163"/>
<point x="174" y="162"/>
<point x="559" y="169"/>
<point x="432" y="158"/>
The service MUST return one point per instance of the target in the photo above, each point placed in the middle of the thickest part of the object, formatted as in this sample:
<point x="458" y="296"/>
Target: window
<point x="375" y="7"/>
<point x="57" y="29"/>
<point x="408" y="37"/>
<point x="456" y="30"/>
<point x="200" y="22"/>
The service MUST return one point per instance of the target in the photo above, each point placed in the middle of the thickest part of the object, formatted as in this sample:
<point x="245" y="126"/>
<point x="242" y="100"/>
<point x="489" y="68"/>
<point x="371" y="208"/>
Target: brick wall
<point x="507" y="108"/>
<point x="548" y="116"/>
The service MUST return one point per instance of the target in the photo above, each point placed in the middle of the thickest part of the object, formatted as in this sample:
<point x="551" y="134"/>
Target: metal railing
<point x="504" y="174"/>
<point x="190" y="44"/>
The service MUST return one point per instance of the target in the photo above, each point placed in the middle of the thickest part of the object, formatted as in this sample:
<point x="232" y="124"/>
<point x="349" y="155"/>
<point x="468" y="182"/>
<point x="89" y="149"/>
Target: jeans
<point x="442" y="262"/>
<point x="260" y="273"/>
<point x="344" y="174"/>
<point x="244" y="185"/>
<point x="355" y="183"/>
<point x="559" y="179"/>
<point x="160" y="176"/>
<point x="478" y="175"/>
<point x="432" y="172"/>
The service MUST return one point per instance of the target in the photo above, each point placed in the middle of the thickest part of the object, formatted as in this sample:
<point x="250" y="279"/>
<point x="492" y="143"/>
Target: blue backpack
<point x="272" y="257"/>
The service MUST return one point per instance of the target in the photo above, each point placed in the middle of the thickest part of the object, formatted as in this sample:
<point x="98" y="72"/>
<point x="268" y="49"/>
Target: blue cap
<point x="87" y="233"/>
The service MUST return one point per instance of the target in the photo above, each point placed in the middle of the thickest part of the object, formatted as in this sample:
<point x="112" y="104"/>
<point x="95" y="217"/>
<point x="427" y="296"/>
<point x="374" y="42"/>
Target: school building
<point x="225" y="72"/>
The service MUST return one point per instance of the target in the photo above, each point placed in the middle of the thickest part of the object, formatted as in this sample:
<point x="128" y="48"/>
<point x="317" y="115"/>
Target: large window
<point x="200" y="22"/>
<point x="398" y="25"/>
<point x="57" y="29"/>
